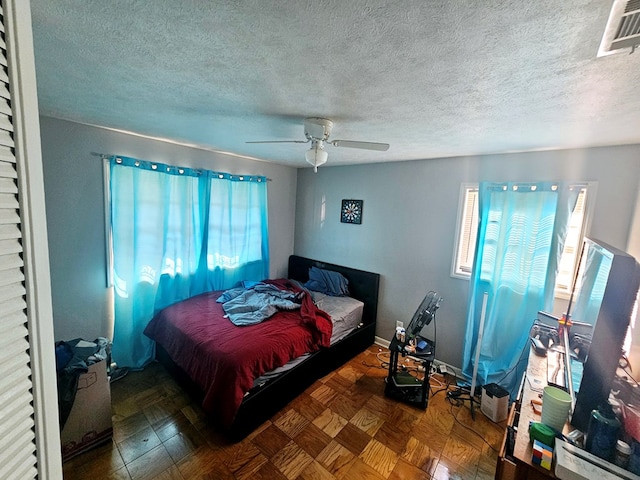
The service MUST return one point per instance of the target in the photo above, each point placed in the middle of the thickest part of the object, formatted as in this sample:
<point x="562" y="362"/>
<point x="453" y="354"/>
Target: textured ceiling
<point x="434" y="78"/>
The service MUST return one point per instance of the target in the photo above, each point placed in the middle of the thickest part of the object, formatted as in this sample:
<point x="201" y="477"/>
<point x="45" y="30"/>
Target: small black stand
<point x="403" y="386"/>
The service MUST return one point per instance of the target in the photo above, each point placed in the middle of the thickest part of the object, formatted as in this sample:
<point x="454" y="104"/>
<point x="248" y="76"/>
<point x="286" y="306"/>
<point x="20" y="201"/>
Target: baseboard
<point x="450" y="368"/>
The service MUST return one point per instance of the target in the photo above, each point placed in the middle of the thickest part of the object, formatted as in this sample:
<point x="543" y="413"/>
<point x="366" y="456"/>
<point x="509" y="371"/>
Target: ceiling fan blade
<point x="382" y="147"/>
<point x="280" y="141"/>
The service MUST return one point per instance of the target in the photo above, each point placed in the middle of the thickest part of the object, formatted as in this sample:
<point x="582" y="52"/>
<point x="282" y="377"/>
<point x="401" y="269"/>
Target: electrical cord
<point x="458" y="397"/>
<point x="368" y="365"/>
<point x="462" y="395"/>
<point x="455" y="417"/>
<point x="445" y="388"/>
<point x="379" y="356"/>
<point x="454" y="400"/>
<point x="449" y="382"/>
<point x="416" y="366"/>
<point x="381" y="353"/>
<point x="520" y="359"/>
<point x="457" y="400"/>
<point x="438" y="382"/>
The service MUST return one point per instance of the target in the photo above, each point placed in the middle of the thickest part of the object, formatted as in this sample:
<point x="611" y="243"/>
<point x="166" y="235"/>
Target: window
<point x="175" y="232"/>
<point x="467" y="230"/>
<point x="468" y="227"/>
<point x="182" y="214"/>
<point x="572" y="247"/>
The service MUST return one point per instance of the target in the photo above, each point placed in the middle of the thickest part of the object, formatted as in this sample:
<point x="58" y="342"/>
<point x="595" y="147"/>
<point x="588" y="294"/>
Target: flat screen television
<point x="601" y="304"/>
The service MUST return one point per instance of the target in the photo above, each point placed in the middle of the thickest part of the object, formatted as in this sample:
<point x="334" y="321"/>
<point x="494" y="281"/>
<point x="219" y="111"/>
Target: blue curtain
<point x="520" y="239"/>
<point x="177" y="232"/>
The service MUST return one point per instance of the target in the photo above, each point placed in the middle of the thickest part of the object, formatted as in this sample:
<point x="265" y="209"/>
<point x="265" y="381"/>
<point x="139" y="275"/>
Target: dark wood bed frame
<point x="264" y="401"/>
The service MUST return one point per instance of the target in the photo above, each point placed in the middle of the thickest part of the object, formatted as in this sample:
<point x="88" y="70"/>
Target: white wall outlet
<point x="399" y="324"/>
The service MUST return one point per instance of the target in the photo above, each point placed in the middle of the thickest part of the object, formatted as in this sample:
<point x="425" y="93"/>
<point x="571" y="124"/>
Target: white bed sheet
<point x="346" y="315"/>
<point x="345" y="312"/>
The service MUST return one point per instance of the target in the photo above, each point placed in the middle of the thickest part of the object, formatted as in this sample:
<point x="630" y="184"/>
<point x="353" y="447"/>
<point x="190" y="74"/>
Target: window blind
<point x="572" y="247"/>
<point x="467" y="244"/>
<point x="17" y="424"/>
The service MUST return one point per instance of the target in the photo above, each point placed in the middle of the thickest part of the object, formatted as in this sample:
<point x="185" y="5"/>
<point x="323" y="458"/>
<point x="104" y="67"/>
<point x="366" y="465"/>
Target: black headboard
<point x="362" y="285"/>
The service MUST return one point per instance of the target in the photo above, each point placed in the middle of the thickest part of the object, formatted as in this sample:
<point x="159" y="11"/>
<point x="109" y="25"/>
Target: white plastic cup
<point x="556" y="404"/>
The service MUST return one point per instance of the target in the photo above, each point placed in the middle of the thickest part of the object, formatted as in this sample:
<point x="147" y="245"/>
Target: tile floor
<point x="342" y="427"/>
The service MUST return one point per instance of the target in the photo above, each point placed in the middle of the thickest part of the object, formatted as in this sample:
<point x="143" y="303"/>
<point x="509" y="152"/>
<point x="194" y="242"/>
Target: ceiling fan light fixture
<point x="316" y="155"/>
<point x="317" y="130"/>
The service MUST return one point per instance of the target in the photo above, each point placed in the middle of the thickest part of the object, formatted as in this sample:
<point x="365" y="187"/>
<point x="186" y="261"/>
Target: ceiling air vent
<point x="623" y="28"/>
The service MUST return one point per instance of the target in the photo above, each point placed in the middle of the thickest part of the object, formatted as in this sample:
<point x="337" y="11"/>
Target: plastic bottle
<point x="603" y="432"/>
<point x="623" y="452"/>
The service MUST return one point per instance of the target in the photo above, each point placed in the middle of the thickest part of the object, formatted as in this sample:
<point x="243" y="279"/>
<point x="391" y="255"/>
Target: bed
<point x="242" y="375"/>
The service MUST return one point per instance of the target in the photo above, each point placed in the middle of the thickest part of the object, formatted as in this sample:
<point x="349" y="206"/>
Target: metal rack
<point x="400" y="384"/>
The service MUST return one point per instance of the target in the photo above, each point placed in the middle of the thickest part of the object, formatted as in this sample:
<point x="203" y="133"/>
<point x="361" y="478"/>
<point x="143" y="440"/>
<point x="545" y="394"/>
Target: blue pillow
<point x="327" y="282"/>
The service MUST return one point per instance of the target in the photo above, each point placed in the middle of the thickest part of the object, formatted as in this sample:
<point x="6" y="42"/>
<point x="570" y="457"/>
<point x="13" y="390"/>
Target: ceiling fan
<point x="317" y="131"/>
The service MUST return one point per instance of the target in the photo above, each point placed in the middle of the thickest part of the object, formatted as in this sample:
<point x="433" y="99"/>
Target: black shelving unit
<point x="401" y="385"/>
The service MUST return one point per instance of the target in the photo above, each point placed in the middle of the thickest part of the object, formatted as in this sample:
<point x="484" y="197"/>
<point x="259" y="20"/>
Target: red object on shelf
<point x="631" y="421"/>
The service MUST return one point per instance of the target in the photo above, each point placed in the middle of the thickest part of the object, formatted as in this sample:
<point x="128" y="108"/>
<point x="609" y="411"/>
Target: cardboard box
<point x="89" y="423"/>
<point x="573" y="463"/>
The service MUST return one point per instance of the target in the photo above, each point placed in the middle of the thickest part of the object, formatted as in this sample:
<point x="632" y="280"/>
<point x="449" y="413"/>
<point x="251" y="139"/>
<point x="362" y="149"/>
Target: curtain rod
<point x="104" y="156"/>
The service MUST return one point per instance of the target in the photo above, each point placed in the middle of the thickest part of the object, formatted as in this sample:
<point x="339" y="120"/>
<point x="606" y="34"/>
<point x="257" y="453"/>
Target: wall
<point x="75" y="214"/>
<point x="409" y="221"/>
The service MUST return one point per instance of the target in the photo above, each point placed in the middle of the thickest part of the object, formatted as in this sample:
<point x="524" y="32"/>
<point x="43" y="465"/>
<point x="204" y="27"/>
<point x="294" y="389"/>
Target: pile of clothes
<point x="72" y="360"/>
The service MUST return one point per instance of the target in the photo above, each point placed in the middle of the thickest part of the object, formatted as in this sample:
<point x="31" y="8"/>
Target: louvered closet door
<point x="17" y="438"/>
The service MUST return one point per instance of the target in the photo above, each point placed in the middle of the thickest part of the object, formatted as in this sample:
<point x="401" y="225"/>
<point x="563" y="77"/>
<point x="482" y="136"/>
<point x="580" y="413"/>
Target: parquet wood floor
<point x="342" y="427"/>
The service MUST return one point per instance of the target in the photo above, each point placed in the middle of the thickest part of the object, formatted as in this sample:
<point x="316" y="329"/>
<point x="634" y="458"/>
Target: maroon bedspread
<point x="224" y="359"/>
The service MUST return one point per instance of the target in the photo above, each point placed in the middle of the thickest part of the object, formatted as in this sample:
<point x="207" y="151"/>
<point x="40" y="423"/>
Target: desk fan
<point x="424" y="314"/>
